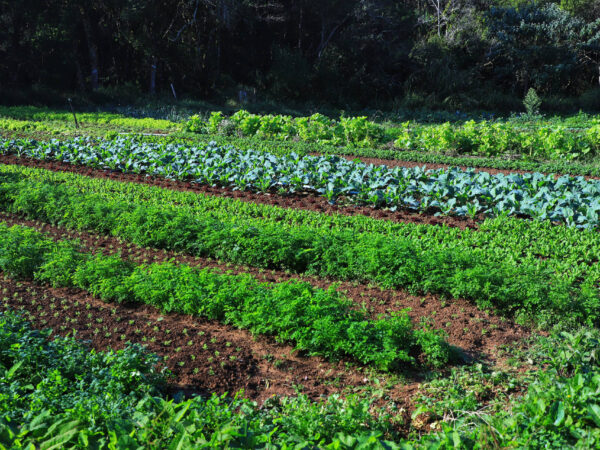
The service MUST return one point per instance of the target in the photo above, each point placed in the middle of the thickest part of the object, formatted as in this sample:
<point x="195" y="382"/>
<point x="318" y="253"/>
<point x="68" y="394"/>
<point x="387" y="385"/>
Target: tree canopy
<point x="331" y="50"/>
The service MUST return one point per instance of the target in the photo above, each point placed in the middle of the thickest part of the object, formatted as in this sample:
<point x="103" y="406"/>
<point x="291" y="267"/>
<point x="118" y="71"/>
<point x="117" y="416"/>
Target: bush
<point x="532" y="103"/>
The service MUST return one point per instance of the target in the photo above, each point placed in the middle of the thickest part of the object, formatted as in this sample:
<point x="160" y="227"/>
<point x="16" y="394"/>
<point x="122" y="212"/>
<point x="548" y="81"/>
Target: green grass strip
<point x="531" y="290"/>
<point x="18" y="115"/>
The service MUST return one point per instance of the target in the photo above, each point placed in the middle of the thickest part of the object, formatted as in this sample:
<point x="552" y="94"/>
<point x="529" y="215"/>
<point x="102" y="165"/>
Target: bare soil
<point x="203" y="355"/>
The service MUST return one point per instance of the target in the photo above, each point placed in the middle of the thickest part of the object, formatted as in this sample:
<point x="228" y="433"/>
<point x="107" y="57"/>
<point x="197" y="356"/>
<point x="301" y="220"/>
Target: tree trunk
<point x="439" y="17"/>
<point x="92" y="49"/>
<point x="325" y="40"/>
<point x="217" y="72"/>
<point x="153" y="76"/>
<point x="300" y="30"/>
<point x="79" y="75"/>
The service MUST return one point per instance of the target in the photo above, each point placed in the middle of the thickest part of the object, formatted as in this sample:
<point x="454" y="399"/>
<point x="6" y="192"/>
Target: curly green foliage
<point x="531" y="290"/>
<point x="318" y="321"/>
<point x="21" y="254"/>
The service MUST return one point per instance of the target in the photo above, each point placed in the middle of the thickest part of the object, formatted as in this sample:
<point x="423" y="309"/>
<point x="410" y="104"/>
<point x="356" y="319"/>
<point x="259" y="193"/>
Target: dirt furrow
<point x="203" y="355"/>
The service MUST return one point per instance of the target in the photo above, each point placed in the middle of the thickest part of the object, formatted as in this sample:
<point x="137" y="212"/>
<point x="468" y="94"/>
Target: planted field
<point x="573" y="200"/>
<point x="549" y="145"/>
<point x="225" y="296"/>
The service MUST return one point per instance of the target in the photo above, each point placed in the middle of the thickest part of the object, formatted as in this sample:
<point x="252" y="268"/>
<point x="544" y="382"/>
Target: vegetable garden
<point x="274" y="282"/>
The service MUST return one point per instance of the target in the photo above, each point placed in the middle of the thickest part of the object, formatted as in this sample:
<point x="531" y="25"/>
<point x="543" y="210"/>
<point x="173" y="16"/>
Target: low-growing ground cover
<point x="71" y="381"/>
<point x="559" y="409"/>
<point x="373" y="328"/>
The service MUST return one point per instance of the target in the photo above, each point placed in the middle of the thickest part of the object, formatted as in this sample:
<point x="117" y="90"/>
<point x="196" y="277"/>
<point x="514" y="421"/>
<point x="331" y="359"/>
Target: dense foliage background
<point x="378" y="53"/>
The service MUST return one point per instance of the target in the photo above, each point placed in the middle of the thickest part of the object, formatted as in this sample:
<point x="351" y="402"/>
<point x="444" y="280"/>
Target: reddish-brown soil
<point x="477" y="333"/>
<point x="204" y="356"/>
<point x="306" y="200"/>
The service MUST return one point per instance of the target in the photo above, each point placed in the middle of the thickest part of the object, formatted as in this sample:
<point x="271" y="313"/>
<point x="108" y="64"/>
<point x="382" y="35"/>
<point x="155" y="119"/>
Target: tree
<point x="535" y="46"/>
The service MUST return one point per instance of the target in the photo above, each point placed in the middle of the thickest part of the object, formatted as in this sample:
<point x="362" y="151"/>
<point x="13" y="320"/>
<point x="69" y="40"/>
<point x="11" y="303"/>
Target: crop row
<point x="320" y="322"/>
<point x="525" y="163"/>
<point x="304" y="148"/>
<point x="502" y="239"/>
<point x="110" y="130"/>
<point x="57" y="393"/>
<point x="452" y="191"/>
<point x="530" y="289"/>
<point x="494" y="139"/>
<point x="550" y="141"/>
<point x="571" y="139"/>
<point x="173" y="115"/>
<point x="49" y="386"/>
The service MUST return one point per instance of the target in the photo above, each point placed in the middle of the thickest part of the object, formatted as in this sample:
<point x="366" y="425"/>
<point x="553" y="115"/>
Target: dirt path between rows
<point x="203" y="355"/>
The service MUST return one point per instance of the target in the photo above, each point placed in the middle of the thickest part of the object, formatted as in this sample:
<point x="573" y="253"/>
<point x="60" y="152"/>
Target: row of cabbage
<point x="545" y="140"/>
<point x="573" y="200"/>
<point x="561" y="166"/>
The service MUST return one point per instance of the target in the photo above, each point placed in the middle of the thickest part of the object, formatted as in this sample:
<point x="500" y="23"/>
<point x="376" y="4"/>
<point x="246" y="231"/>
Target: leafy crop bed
<point x="451" y="191"/>
<point x="573" y="138"/>
<point x="319" y="322"/>
<point x="271" y="323"/>
<point x="562" y="145"/>
<point x="519" y="287"/>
